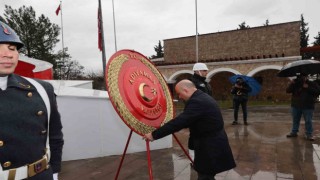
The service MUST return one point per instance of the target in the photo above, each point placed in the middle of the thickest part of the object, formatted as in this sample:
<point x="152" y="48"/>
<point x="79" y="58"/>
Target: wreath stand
<point x="148" y="155"/>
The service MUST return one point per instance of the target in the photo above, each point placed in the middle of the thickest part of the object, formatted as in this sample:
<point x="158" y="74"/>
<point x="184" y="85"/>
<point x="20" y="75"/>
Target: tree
<point x="98" y="80"/>
<point x="304" y="37"/>
<point x="67" y="68"/>
<point x="267" y="23"/>
<point x="316" y="55"/>
<point x="317" y="40"/>
<point x="159" y="51"/>
<point x="243" y="25"/>
<point x="40" y="37"/>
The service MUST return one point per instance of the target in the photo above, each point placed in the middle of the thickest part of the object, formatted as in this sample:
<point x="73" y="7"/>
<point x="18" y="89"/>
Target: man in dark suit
<point x="212" y="150"/>
<point x="30" y="125"/>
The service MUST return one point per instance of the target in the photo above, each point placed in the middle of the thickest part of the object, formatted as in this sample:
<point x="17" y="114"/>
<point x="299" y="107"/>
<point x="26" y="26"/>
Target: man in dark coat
<point x="212" y="150"/>
<point x="27" y="136"/>
<point x="200" y="71"/>
<point x="303" y="97"/>
<point x="240" y="91"/>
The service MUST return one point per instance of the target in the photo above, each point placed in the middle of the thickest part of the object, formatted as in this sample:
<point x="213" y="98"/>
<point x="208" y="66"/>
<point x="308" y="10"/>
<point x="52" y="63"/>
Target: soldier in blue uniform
<point x="31" y="138"/>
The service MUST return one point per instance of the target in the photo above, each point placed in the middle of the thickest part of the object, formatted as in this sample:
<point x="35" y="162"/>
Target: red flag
<point x="99" y="30"/>
<point x="58" y="10"/>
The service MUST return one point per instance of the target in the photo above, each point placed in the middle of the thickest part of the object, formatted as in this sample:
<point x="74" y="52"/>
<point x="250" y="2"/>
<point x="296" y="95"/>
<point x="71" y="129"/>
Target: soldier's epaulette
<point x="24" y="86"/>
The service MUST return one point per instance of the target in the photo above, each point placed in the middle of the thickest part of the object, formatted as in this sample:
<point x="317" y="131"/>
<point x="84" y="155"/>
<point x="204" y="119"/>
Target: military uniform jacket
<point x="211" y="146"/>
<point x="23" y="126"/>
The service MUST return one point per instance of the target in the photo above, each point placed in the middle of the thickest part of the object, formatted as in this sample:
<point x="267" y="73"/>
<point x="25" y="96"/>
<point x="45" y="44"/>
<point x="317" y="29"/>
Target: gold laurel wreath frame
<point x="112" y="80"/>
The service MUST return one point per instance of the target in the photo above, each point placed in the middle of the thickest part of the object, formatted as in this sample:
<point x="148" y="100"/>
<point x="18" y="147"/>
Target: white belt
<point x="26" y="171"/>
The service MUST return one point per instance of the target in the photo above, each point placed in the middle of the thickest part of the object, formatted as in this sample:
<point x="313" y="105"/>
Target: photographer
<point x="240" y="92"/>
<point x="304" y="95"/>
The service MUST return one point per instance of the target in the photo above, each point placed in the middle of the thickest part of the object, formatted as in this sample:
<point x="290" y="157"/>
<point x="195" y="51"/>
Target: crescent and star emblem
<point x="141" y="91"/>
<point x="5" y="30"/>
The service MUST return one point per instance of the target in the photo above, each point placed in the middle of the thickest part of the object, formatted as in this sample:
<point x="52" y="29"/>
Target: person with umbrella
<point x="240" y="91"/>
<point x="303" y="97"/>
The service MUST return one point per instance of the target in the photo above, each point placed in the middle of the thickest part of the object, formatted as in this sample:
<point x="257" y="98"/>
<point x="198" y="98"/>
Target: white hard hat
<point x="200" y="66"/>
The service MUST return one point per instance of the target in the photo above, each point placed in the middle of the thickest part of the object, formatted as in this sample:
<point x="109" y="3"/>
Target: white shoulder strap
<point x="46" y="101"/>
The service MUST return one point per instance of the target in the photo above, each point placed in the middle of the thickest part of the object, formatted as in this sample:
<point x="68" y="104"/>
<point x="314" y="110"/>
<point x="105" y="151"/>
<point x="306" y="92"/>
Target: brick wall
<point x="253" y="43"/>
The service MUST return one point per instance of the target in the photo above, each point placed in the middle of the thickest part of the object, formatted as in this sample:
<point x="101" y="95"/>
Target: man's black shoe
<point x="234" y="123"/>
<point x="310" y="138"/>
<point x="292" y="135"/>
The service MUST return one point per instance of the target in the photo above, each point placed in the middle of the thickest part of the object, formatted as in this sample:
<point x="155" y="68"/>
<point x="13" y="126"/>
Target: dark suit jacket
<point x="23" y="128"/>
<point x="202" y="115"/>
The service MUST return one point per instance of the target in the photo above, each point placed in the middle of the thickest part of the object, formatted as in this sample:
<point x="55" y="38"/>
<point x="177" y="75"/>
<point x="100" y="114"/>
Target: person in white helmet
<point x="199" y="80"/>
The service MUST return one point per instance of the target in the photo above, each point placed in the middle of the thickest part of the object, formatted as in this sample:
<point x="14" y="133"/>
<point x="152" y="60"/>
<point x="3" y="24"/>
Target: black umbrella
<point x="301" y="66"/>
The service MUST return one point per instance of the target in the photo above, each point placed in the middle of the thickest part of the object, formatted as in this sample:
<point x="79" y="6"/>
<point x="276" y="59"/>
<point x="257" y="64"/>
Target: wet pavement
<point x="261" y="150"/>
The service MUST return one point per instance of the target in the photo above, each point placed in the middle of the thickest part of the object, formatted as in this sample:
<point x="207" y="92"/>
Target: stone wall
<point x="270" y="41"/>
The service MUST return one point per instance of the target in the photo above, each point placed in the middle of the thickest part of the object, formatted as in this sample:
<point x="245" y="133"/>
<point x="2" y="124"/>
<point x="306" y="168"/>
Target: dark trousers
<point x="236" y="105"/>
<point x="205" y="177"/>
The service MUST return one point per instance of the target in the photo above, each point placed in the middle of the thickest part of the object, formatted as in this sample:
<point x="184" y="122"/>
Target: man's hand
<point x="238" y="86"/>
<point x="148" y="137"/>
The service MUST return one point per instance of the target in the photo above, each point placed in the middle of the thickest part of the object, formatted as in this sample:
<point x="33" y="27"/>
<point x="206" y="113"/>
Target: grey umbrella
<point x="301" y="66"/>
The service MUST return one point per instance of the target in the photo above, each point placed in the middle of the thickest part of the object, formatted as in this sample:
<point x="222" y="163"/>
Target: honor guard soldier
<point x="31" y="138"/>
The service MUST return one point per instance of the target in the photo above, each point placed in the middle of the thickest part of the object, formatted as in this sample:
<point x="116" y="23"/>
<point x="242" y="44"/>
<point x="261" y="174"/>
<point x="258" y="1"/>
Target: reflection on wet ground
<point x="261" y="151"/>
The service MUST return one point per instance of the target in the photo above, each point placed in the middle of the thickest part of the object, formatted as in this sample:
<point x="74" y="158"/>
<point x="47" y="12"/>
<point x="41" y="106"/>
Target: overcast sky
<point x="140" y="24"/>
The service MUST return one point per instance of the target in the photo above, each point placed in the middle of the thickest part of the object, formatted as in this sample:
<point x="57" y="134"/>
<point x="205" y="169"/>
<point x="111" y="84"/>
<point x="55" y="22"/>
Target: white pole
<point x="114" y="28"/>
<point x="197" y="56"/>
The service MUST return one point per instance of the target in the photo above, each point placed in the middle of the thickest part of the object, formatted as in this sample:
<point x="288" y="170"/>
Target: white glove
<point x="55" y="176"/>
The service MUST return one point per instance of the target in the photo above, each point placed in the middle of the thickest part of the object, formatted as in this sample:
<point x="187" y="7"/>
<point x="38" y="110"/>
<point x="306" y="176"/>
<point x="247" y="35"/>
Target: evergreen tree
<point x="40" y="37"/>
<point x="243" y="25"/>
<point x="159" y="51"/>
<point x="38" y="34"/>
<point x="317" y="40"/>
<point x="304" y="37"/>
<point x="316" y="55"/>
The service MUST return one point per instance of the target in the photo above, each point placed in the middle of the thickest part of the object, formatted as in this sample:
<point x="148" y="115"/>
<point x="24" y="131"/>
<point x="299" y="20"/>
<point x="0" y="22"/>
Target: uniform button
<point x="39" y="113"/>
<point x="43" y="132"/>
<point x="1" y="143"/>
<point x="7" y="164"/>
<point x="29" y="94"/>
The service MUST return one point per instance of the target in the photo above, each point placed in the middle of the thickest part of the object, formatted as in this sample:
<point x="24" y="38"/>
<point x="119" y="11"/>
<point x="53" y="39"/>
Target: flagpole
<point x="102" y="41"/>
<point x="62" y="39"/>
<point x="197" y="56"/>
<point x="114" y="28"/>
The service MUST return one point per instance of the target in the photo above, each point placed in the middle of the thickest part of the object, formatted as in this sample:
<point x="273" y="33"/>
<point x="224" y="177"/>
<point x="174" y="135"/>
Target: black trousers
<point x="236" y="105"/>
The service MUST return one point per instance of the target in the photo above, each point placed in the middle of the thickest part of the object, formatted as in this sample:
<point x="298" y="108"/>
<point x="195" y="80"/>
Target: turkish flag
<point x="58" y="10"/>
<point x="99" y="31"/>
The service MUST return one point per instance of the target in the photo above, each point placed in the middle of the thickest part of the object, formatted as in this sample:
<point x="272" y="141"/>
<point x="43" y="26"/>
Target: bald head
<point x="184" y="89"/>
